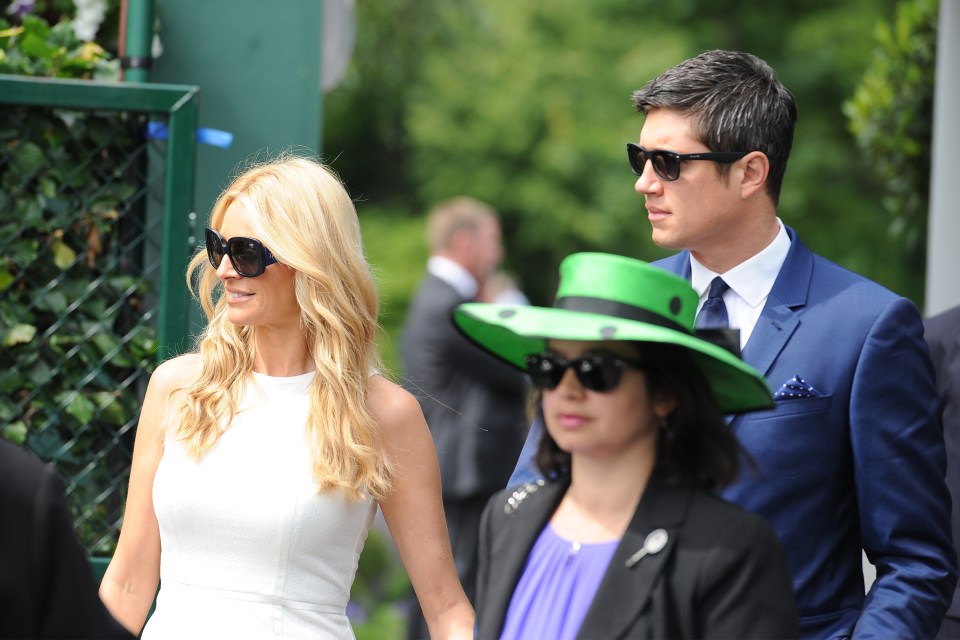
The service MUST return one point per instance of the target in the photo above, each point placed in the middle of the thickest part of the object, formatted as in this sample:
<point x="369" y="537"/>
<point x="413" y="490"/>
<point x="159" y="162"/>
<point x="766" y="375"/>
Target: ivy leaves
<point x="78" y="265"/>
<point x="36" y="49"/>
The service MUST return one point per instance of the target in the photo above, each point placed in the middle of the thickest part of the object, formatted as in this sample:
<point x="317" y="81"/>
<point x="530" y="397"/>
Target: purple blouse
<point x="556" y="587"/>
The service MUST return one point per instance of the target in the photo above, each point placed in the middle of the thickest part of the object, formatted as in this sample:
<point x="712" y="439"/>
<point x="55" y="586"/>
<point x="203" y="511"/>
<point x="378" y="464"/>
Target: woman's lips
<point x="570" y="420"/>
<point x="238" y="296"/>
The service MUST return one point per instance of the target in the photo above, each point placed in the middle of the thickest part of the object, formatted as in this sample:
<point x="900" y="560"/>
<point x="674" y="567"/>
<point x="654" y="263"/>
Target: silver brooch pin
<point x="520" y="494"/>
<point x="655" y="541"/>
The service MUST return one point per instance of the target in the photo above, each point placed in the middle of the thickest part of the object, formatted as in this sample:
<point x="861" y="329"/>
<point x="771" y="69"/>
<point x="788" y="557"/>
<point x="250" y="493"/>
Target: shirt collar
<point x="753" y="278"/>
<point x="454" y="275"/>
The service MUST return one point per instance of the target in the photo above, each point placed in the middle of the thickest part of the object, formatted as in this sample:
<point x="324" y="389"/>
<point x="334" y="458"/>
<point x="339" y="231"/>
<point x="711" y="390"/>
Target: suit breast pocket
<point x="786" y="439"/>
<point x="794" y="407"/>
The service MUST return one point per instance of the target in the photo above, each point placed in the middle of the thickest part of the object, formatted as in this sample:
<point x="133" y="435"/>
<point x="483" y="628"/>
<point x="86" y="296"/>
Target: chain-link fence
<point x="94" y="226"/>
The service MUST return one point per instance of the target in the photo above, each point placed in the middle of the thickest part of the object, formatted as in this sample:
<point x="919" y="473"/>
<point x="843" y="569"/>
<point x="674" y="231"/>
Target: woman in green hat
<point x="626" y="538"/>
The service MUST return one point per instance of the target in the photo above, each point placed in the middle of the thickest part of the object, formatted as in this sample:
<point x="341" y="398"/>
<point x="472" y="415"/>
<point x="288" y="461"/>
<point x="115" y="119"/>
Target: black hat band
<point x="586" y="304"/>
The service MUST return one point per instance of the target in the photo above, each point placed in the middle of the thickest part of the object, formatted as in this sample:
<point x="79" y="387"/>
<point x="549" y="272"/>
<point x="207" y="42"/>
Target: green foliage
<point x="36" y="49"/>
<point x="891" y="115"/>
<point x="397" y="251"/>
<point x="62" y="12"/>
<point x="380" y="592"/>
<point x="529" y="110"/>
<point x="365" y="131"/>
<point x="77" y="343"/>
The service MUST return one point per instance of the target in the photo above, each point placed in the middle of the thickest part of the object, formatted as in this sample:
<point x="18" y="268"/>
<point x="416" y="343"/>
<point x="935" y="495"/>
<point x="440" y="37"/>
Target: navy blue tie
<point x="713" y="313"/>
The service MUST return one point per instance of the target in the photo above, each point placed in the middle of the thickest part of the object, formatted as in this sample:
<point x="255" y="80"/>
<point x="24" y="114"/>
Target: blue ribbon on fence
<point x="205" y="135"/>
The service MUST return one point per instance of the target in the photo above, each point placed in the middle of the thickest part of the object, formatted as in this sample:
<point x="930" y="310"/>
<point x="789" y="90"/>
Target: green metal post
<point x="181" y="162"/>
<point x="137" y="61"/>
<point x="109" y="426"/>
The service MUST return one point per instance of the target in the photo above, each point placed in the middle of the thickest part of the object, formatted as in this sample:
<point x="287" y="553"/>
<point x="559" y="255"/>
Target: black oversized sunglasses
<point x="666" y="164"/>
<point x="597" y="372"/>
<point x="248" y="256"/>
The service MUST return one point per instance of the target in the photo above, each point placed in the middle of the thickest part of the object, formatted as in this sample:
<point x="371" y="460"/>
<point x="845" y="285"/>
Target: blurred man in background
<point x="473" y="403"/>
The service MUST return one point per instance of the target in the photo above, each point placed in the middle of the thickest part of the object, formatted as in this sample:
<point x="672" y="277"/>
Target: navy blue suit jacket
<point x="861" y="464"/>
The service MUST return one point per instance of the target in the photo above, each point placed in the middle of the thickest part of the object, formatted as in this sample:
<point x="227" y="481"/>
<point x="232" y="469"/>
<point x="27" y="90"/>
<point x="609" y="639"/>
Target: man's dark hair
<point x="695" y="446"/>
<point x="737" y="104"/>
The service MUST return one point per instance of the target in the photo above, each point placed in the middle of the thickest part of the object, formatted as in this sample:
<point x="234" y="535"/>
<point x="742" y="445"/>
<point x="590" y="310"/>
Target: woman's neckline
<point x="262" y="377"/>
<point x="576" y="545"/>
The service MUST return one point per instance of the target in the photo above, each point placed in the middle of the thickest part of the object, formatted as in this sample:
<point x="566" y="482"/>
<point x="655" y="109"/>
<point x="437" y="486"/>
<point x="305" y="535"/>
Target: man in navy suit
<point x="851" y="457"/>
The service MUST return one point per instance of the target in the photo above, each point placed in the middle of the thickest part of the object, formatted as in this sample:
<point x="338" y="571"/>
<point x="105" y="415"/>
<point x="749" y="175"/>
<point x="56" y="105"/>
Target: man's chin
<point x="665" y="240"/>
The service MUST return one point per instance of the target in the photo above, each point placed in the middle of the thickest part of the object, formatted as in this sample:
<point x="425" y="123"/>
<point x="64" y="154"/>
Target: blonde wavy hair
<point x="303" y="214"/>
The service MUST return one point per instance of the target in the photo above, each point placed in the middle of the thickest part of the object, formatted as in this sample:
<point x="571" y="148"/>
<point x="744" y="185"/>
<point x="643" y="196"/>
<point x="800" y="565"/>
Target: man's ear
<point x="756" y="168"/>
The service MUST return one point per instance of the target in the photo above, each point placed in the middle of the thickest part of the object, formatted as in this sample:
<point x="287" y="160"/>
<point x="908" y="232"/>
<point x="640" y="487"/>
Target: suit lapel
<point x="779" y="319"/>
<point x="625" y="591"/>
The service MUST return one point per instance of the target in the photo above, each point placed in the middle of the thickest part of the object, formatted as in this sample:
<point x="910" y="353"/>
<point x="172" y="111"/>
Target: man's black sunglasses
<point x="598" y="372"/>
<point x="666" y="164"/>
<point x="248" y="256"/>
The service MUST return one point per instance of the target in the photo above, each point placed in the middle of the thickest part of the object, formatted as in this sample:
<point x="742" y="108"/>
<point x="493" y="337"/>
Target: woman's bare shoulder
<point x="391" y="405"/>
<point x="176" y="372"/>
<point x="167" y="379"/>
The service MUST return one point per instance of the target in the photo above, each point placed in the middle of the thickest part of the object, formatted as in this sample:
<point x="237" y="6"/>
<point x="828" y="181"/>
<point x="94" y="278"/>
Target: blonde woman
<point x="260" y="459"/>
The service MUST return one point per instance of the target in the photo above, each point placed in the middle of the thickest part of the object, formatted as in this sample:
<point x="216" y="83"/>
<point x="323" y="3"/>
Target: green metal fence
<point x="95" y="233"/>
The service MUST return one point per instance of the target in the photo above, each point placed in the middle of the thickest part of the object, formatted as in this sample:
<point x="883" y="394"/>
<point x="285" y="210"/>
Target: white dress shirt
<point x="454" y="275"/>
<point x="750" y="283"/>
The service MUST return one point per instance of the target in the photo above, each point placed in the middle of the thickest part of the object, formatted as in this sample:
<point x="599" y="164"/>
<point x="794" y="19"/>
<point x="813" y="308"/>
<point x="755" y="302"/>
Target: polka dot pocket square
<point x="794" y="389"/>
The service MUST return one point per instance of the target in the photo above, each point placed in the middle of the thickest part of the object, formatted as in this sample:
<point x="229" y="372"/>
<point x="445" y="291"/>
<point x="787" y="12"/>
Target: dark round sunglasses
<point x="666" y="164"/>
<point x="598" y="372"/>
<point x="248" y="256"/>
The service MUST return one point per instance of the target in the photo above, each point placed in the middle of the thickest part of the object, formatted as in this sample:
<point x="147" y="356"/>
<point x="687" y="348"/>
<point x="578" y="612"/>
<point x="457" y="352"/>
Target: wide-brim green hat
<point x="607" y="297"/>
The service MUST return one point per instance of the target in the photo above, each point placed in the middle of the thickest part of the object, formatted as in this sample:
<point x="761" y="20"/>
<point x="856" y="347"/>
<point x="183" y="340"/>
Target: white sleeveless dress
<point x="249" y="548"/>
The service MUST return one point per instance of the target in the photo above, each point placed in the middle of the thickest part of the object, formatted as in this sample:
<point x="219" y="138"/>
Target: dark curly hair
<point x="696" y="446"/>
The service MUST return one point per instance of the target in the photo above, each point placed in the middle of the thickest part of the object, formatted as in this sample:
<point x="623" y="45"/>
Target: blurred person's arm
<point x="526" y="469"/>
<point x="48" y="585"/>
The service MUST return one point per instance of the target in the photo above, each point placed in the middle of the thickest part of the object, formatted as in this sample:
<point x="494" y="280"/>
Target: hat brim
<point x="512" y="331"/>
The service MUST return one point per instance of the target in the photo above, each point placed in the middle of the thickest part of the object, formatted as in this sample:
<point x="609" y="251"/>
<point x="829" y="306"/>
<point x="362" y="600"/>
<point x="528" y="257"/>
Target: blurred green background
<point x="526" y="105"/>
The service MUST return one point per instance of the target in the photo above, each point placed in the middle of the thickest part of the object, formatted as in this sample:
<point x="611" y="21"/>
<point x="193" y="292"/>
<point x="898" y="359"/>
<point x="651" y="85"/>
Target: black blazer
<point x="722" y="573"/>
<point x="474" y="404"/>
<point x="47" y="588"/>
<point x="942" y="333"/>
